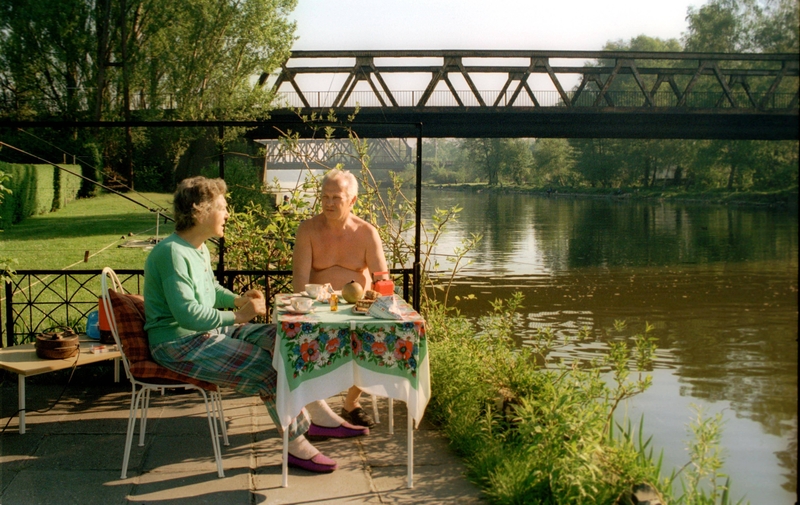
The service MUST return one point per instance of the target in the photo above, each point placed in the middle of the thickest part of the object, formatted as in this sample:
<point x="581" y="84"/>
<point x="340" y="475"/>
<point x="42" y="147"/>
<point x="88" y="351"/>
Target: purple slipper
<point x="344" y="430"/>
<point x="318" y="464"/>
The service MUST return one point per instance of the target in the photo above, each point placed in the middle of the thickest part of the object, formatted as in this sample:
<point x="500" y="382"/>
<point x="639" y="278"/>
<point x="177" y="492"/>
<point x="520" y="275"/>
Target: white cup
<point x="314" y="290"/>
<point x="302" y="304"/>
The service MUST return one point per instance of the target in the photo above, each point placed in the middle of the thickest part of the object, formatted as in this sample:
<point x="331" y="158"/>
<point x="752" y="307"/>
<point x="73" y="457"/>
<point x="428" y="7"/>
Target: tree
<point x="776" y="29"/>
<point x="719" y="26"/>
<point x="510" y="158"/>
<point x="553" y="160"/>
<point x="98" y="59"/>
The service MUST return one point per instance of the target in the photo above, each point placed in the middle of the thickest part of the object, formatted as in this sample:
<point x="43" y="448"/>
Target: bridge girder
<point x="620" y="95"/>
<point x="442" y="123"/>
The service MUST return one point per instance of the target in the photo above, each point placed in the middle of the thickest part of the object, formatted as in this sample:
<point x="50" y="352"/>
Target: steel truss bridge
<point x="489" y="93"/>
<point x="384" y="154"/>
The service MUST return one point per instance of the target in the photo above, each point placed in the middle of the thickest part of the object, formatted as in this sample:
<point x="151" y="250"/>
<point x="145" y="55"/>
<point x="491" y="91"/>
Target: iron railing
<point x="36" y="300"/>
<point x="584" y="99"/>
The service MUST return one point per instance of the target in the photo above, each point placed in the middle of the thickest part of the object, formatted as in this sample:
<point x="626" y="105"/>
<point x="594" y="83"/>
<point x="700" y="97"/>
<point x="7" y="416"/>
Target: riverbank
<point x="780" y="198"/>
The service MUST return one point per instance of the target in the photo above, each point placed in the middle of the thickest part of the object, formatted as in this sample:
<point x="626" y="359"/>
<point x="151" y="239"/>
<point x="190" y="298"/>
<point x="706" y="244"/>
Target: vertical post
<point x="9" y="318"/>
<point x="418" y="229"/>
<point x="221" y="264"/>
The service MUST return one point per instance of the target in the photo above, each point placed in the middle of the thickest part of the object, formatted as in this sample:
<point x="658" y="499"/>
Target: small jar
<point x="334" y="302"/>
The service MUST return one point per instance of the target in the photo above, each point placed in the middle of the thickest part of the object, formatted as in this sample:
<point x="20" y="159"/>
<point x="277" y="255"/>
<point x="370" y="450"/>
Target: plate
<point x="292" y="310"/>
<point x="359" y="312"/>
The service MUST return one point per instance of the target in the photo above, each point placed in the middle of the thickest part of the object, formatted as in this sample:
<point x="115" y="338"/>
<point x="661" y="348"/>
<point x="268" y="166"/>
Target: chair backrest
<point x="112" y="290"/>
<point x="125" y="315"/>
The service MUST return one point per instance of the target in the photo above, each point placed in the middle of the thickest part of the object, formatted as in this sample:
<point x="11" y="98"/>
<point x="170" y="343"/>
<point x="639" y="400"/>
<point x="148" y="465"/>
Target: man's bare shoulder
<point x="363" y="228"/>
<point x="310" y="224"/>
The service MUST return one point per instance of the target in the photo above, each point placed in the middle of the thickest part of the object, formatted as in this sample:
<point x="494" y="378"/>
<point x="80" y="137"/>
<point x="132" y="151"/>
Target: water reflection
<point x="719" y="283"/>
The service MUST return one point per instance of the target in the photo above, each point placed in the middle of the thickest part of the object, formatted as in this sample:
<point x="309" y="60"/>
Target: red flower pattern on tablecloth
<point x="310" y="345"/>
<point x="403" y="349"/>
<point x="332" y="345"/>
<point x="379" y="348"/>
<point x="309" y="351"/>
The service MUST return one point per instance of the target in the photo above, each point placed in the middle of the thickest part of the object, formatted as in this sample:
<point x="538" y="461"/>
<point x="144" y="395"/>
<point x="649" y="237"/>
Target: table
<point x="321" y="353"/>
<point x="23" y="361"/>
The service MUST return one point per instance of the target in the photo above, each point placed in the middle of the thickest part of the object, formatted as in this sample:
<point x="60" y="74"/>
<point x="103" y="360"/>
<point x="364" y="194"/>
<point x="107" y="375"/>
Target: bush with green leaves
<point x="537" y="430"/>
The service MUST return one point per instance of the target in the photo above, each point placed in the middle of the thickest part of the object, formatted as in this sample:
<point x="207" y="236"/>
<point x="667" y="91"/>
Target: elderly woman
<point x="190" y="336"/>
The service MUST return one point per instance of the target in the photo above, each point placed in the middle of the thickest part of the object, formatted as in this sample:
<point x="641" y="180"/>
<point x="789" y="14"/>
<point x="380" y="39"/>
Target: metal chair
<point x="125" y="315"/>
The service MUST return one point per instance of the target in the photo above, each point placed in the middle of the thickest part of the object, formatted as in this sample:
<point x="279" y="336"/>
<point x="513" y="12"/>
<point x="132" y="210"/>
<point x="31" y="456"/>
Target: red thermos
<point x="385" y="287"/>
<point x="102" y="324"/>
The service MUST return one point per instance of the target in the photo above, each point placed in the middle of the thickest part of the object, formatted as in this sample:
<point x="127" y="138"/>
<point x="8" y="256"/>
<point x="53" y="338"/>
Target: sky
<point x="580" y="25"/>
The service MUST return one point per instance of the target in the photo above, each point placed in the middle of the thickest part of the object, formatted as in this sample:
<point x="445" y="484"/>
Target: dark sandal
<point x="358" y="417"/>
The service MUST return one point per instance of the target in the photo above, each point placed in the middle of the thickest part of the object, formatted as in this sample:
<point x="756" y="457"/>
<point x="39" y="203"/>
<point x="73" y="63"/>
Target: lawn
<point x="100" y="225"/>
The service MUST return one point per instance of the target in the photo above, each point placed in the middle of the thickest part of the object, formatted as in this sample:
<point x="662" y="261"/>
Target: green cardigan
<point x="181" y="294"/>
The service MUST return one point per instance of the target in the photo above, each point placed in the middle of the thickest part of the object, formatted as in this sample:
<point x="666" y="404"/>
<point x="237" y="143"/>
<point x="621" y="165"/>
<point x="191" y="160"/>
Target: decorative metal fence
<point x="37" y="300"/>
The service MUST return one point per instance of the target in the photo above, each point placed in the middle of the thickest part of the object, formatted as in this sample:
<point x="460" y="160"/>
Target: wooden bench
<point x="23" y="361"/>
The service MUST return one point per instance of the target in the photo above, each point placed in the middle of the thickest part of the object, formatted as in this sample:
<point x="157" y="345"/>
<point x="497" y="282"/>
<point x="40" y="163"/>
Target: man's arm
<point x="301" y="258"/>
<point x="376" y="260"/>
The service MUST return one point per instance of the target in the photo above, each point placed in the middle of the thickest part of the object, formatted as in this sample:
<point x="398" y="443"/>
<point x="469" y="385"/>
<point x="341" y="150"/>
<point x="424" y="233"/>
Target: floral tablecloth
<point x="322" y="353"/>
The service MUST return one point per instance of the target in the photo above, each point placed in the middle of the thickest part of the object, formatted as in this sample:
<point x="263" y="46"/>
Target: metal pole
<point x="9" y="317"/>
<point x="418" y="229"/>
<point x="221" y="247"/>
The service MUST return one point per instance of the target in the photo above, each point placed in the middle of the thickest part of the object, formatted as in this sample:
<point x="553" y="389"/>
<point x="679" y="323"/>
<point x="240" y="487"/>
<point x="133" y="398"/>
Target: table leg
<point x="285" y="482"/>
<point x="116" y="369"/>
<point x="410" y="462"/>
<point x="21" y="402"/>
<point x="391" y="416"/>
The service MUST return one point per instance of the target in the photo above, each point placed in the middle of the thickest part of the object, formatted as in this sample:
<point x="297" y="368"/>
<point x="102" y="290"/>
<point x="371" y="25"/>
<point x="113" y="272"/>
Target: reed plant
<point x="533" y="429"/>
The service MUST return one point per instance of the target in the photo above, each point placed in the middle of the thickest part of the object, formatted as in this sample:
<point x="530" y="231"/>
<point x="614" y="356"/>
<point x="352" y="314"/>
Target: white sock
<point x="301" y="448"/>
<point x="322" y="415"/>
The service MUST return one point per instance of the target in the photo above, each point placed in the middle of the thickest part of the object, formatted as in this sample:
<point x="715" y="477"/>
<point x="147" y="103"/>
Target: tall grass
<point x="533" y="430"/>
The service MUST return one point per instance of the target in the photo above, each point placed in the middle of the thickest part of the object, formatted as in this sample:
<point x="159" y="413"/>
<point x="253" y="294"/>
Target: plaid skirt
<point x="237" y="357"/>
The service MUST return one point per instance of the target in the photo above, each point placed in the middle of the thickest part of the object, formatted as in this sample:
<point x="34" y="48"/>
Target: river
<point x="719" y="284"/>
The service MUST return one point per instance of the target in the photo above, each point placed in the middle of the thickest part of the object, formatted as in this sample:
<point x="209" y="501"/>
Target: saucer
<point x="292" y="310"/>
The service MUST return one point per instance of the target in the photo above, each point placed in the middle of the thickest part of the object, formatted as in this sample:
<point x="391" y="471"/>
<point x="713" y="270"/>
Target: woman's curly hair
<point x="194" y="198"/>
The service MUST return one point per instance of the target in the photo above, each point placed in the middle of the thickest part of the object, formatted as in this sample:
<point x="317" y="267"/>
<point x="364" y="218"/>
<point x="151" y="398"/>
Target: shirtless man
<point x="337" y="247"/>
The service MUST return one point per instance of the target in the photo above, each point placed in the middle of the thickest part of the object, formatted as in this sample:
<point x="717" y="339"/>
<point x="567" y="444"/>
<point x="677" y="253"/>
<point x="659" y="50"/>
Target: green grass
<point x="100" y="225"/>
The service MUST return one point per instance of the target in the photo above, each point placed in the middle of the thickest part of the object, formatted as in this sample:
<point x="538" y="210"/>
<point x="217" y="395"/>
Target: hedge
<point x="36" y="189"/>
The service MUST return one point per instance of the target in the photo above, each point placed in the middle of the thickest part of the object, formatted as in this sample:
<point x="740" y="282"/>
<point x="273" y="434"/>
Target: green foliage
<point x="262" y="237"/>
<point x="553" y="161"/>
<point x="534" y="429"/>
<point x="198" y="57"/>
<point x="703" y="483"/>
<point x="498" y="159"/>
<point x="31" y="192"/>
<point x="4" y="179"/>
<point x="7" y="270"/>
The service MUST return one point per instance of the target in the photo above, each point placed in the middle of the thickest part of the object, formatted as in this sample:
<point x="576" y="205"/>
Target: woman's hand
<point x="252" y="307"/>
<point x="252" y="294"/>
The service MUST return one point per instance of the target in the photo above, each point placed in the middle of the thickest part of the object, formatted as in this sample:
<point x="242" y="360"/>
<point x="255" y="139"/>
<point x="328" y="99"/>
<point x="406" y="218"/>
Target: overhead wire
<point x="83" y="160"/>
<point x="159" y="211"/>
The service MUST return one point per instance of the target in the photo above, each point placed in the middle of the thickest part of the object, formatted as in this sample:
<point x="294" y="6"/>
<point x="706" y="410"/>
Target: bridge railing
<point x="695" y="99"/>
<point x="36" y="300"/>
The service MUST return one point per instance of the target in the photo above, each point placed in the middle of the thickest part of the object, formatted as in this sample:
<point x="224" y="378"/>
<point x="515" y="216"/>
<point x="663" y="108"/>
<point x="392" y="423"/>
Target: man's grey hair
<point x="351" y="183"/>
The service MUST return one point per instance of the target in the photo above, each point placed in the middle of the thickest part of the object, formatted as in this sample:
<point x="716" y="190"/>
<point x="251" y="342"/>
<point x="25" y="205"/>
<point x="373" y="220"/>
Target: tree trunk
<point x="732" y="176"/>
<point x="127" y="164"/>
<point x="103" y="18"/>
